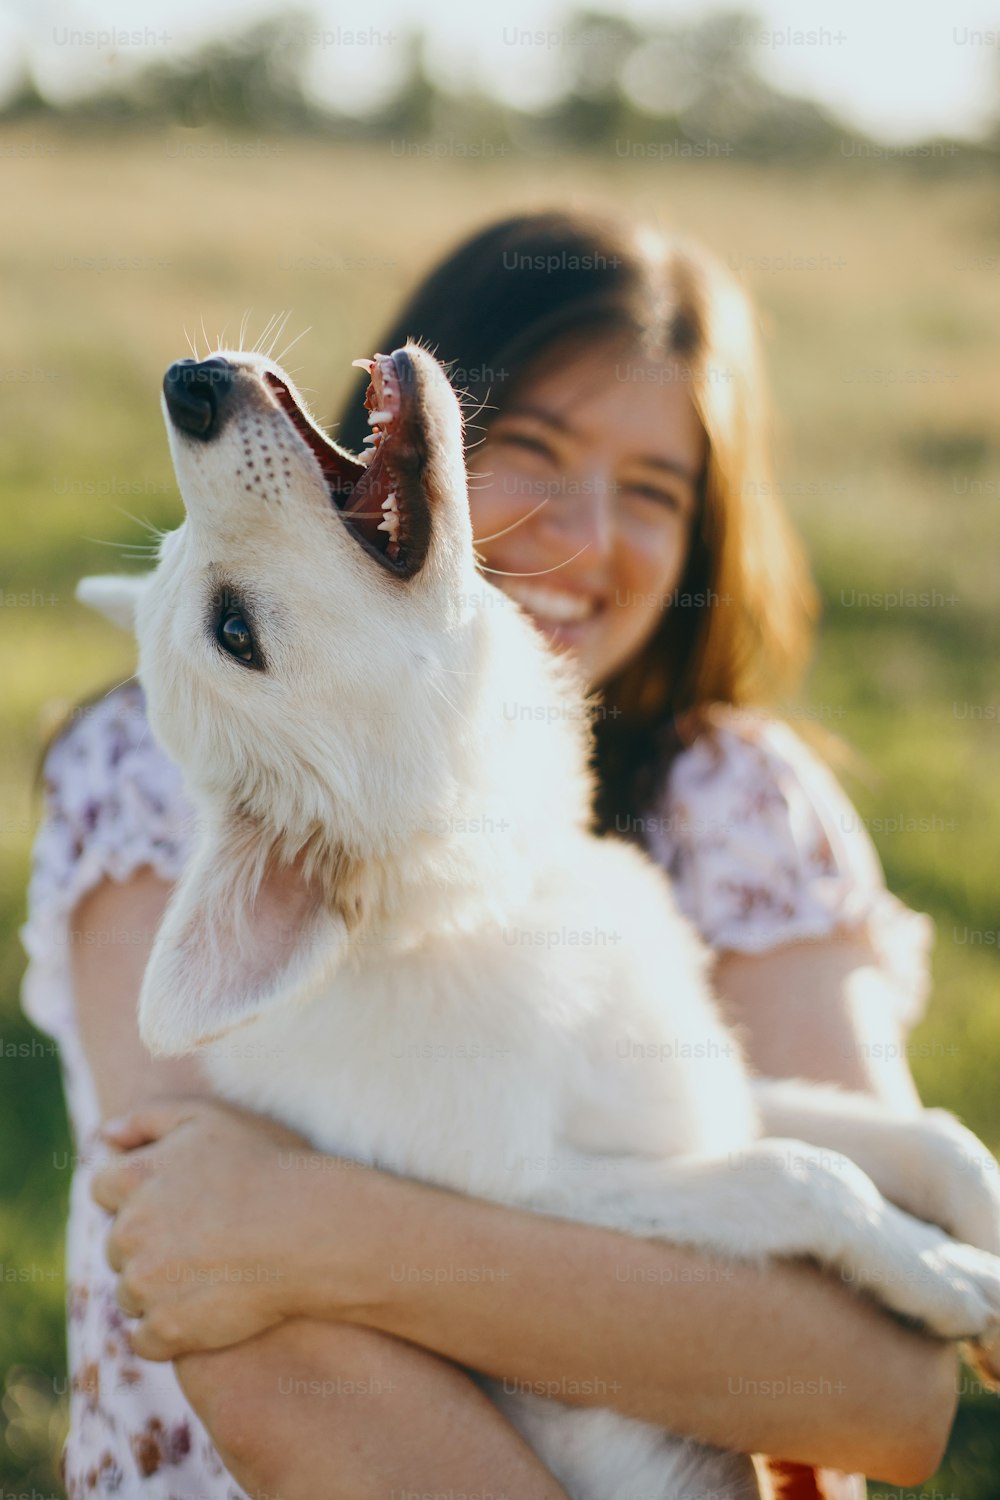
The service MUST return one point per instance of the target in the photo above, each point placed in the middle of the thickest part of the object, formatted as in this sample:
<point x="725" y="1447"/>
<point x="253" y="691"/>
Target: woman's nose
<point x="582" y="509"/>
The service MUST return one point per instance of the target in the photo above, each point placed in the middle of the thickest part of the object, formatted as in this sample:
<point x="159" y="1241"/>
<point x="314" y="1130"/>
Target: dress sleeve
<point x="113" y="802"/>
<point x="765" y="849"/>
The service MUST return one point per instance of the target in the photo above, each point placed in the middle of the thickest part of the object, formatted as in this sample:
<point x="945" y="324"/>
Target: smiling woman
<point x="618" y="448"/>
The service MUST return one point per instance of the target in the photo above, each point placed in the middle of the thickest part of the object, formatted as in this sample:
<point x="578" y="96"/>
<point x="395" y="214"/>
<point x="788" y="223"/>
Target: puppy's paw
<point x="961" y="1294"/>
<point x="967" y="1174"/>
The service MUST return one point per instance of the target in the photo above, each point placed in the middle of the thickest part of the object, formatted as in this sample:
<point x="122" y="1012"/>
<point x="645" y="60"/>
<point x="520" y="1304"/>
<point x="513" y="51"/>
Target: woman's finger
<point x="107" y="1188"/>
<point x="127" y="1300"/>
<point x="149" y="1123"/>
<point x="113" y="1184"/>
<point x="113" y="1252"/>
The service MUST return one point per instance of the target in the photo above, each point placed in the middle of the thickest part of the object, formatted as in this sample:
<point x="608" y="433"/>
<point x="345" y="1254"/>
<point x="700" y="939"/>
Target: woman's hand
<point x="207" y="1202"/>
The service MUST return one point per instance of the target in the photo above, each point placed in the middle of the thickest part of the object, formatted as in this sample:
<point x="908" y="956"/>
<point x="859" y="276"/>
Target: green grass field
<point x="882" y="348"/>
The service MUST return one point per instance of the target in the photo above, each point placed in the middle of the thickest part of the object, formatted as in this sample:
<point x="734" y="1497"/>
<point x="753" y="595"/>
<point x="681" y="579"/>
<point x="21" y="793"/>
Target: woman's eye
<point x="650" y="492"/>
<point x="529" y="444"/>
<point x="234" y="636"/>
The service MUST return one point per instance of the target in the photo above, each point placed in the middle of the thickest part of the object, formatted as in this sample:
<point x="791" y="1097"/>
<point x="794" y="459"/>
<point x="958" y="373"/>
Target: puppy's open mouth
<point x="380" y="494"/>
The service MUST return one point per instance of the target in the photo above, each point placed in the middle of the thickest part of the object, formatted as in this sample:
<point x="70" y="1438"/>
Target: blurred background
<point x="165" y="177"/>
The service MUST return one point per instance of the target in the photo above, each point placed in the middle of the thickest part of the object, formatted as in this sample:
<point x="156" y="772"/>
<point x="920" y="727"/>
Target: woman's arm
<point x="313" y="1409"/>
<point x="781" y="1360"/>
<point x="822" y="1011"/>
<point x="776" y="1360"/>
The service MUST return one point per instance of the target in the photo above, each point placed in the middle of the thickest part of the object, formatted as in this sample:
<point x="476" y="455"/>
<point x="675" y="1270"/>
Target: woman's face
<point x="583" y="499"/>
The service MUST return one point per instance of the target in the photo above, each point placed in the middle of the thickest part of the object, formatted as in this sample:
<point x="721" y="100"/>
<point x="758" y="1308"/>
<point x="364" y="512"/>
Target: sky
<point x="881" y="64"/>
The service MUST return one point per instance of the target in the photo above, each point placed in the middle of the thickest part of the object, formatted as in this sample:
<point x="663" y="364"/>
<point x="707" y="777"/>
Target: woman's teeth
<point x="552" y="605"/>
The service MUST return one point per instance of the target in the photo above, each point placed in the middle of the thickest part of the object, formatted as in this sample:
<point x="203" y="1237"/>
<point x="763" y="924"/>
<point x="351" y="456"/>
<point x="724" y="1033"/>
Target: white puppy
<point x="434" y="964"/>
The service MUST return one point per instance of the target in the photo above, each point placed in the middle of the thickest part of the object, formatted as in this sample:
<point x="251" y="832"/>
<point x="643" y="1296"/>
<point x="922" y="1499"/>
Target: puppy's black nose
<point x="194" y="392"/>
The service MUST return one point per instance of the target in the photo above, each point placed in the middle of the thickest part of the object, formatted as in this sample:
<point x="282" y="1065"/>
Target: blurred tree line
<point x="690" y="87"/>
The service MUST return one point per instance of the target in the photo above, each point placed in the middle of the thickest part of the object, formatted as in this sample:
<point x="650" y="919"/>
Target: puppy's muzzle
<point x="195" y="392"/>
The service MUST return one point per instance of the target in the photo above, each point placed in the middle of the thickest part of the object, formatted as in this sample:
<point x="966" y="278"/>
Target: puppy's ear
<point x="244" y="933"/>
<point x="115" y="596"/>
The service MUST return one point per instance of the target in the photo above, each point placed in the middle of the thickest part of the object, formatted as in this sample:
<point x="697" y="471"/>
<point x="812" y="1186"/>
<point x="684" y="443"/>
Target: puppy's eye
<point x="234" y="636"/>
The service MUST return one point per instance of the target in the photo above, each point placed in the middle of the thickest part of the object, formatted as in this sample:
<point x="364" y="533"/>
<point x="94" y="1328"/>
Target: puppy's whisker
<point x="515" y="524"/>
<point x="280" y="358"/>
<point x="278" y="332"/>
<point x="208" y="341"/>
<point x="539" y="572"/>
<point x="143" y="521"/>
<point x="133" y="548"/>
<point x="266" y="333"/>
<point x="190" y="343"/>
<point x="243" y="329"/>
<point x="134" y="678"/>
<point x="444" y="696"/>
<point x="472" y="444"/>
<point x="132" y="556"/>
<point x="484" y="405"/>
<point x="272" y="330"/>
<point x="465" y="395"/>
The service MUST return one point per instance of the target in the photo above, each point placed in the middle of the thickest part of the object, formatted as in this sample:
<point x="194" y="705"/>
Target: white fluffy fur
<point x="436" y="967"/>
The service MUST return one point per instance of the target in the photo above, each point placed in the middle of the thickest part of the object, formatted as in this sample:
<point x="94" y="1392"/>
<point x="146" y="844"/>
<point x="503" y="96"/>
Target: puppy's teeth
<point x="372" y="437"/>
<point x="363" y="364"/>
<point x="378" y="416"/>
<point x="389" y="503"/>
